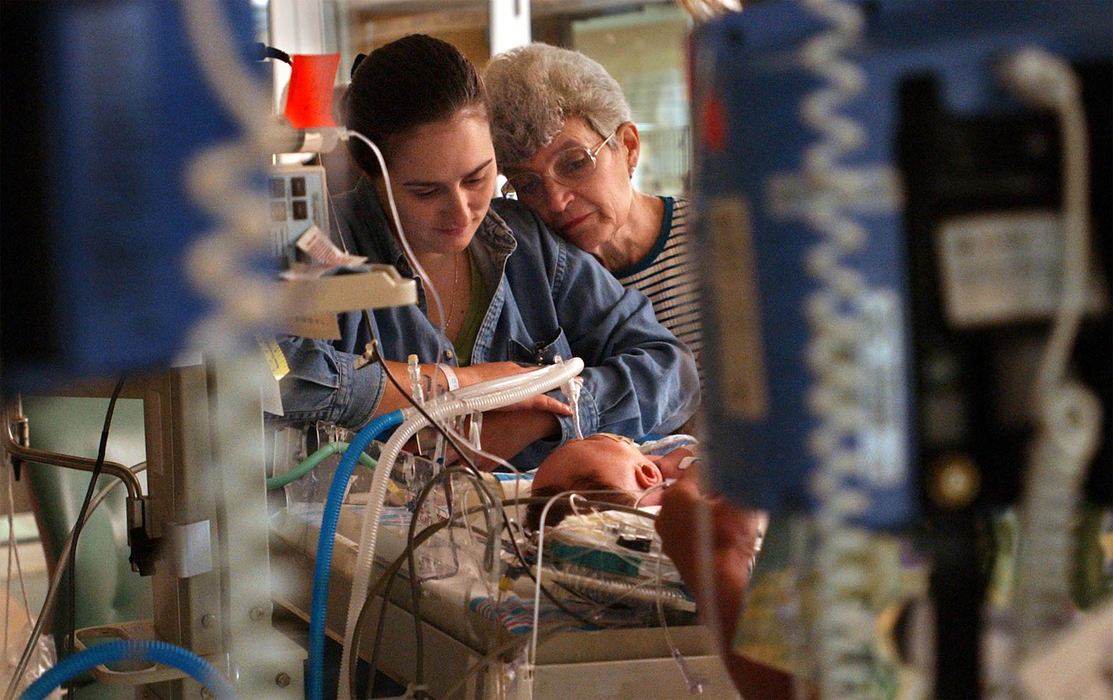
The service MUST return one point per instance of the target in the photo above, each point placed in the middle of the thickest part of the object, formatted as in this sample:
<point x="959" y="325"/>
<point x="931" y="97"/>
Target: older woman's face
<point x="443" y="177"/>
<point x="587" y="214"/>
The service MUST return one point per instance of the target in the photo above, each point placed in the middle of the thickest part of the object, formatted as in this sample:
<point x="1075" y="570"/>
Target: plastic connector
<point x="571" y="390"/>
<point x="414" y="369"/>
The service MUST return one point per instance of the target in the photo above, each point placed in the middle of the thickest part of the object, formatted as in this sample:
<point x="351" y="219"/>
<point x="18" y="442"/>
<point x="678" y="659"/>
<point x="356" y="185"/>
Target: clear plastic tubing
<point x="483" y="396"/>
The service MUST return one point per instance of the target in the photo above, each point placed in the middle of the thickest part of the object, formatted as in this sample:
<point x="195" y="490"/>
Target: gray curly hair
<point x="535" y="89"/>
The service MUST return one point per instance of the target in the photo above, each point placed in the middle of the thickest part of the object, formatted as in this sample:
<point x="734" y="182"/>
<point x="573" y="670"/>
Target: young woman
<point x="510" y="293"/>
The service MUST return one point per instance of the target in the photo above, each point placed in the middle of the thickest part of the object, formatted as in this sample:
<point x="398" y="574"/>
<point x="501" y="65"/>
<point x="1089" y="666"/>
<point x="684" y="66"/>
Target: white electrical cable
<point x="834" y="313"/>
<point x="402" y="239"/>
<point x="410" y="255"/>
<point x="223" y="266"/>
<point x="694" y="682"/>
<point x="1047" y="81"/>
<point x="1067" y="414"/>
<point x="483" y="396"/>
<point x="532" y="651"/>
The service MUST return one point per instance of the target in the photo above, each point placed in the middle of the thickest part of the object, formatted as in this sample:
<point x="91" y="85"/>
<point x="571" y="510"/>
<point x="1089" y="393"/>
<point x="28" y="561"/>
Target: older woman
<point x="510" y="293"/>
<point x="565" y="141"/>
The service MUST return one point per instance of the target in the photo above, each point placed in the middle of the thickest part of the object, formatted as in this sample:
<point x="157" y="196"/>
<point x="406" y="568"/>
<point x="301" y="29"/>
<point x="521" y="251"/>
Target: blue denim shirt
<point x="551" y="299"/>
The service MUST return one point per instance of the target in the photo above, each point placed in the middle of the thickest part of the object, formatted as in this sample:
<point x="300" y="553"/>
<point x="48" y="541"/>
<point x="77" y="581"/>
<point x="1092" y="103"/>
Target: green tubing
<point x="277" y="482"/>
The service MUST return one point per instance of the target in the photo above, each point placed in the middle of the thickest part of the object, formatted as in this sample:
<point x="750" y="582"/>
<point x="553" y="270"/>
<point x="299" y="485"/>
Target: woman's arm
<point x="639" y="378"/>
<point x="327" y="384"/>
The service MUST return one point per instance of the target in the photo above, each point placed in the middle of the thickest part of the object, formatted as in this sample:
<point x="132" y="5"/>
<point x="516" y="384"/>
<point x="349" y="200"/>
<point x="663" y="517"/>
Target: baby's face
<point x="598" y="461"/>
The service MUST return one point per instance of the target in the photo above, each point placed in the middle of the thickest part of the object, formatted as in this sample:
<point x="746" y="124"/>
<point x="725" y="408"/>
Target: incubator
<point x="504" y="604"/>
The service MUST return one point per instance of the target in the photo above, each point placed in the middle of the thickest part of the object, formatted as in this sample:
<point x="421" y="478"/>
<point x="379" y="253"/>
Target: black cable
<point x="381" y="588"/>
<point x="70" y="637"/>
<point x="415" y="591"/>
<point x="381" y="361"/>
<point x="545" y="591"/>
<point x="493" y="654"/>
<point x="373" y="665"/>
<point x="470" y="465"/>
<point x="419" y="637"/>
<point x="263" y="52"/>
<point x="378" y="358"/>
<point x="409" y="553"/>
<point x="385" y="582"/>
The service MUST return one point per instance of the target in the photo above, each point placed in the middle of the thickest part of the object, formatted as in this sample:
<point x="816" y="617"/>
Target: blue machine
<point x="817" y="188"/>
<point x="104" y="108"/>
<point x="883" y="225"/>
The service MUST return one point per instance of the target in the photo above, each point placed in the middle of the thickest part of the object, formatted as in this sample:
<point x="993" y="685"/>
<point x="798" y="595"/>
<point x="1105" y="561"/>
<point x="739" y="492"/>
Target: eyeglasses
<point x="571" y="166"/>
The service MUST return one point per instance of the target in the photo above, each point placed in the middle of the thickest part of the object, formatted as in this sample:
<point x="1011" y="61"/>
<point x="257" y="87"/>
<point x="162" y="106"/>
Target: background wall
<point x="641" y="44"/>
<point x="645" y="51"/>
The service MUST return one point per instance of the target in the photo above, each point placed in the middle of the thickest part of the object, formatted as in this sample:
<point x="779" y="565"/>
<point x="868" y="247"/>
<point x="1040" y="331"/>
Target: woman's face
<point x="443" y="175"/>
<point x="589" y="213"/>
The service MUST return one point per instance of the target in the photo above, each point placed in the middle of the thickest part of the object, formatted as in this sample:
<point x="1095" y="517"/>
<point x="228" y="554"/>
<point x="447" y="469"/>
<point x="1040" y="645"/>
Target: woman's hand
<point x="506" y="433"/>
<point x="435" y="382"/>
<point x="507" y="430"/>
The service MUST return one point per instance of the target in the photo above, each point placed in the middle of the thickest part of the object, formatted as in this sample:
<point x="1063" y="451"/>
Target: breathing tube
<point x="314" y="679"/>
<point x="475" y="398"/>
<point x="127" y="650"/>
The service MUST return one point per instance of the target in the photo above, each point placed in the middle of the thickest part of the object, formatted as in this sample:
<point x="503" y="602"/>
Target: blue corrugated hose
<point x="314" y="678"/>
<point x="131" y="649"/>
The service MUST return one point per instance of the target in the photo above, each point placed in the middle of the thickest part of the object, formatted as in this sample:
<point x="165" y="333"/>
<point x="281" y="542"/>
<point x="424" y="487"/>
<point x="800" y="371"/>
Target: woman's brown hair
<point x="411" y="81"/>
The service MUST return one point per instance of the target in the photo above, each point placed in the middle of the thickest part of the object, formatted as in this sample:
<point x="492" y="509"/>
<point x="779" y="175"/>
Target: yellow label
<point x="736" y="303"/>
<point x="275" y="359"/>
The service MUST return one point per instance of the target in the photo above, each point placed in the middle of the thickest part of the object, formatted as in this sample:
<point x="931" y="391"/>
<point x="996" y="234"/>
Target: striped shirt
<point x="669" y="277"/>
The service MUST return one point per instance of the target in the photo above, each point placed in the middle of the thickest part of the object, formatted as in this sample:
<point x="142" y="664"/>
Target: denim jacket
<point x="549" y="299"/>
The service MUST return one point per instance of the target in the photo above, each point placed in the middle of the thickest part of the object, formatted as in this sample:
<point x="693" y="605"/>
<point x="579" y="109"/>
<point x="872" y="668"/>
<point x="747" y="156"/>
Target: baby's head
<point x="604" y="466"/>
